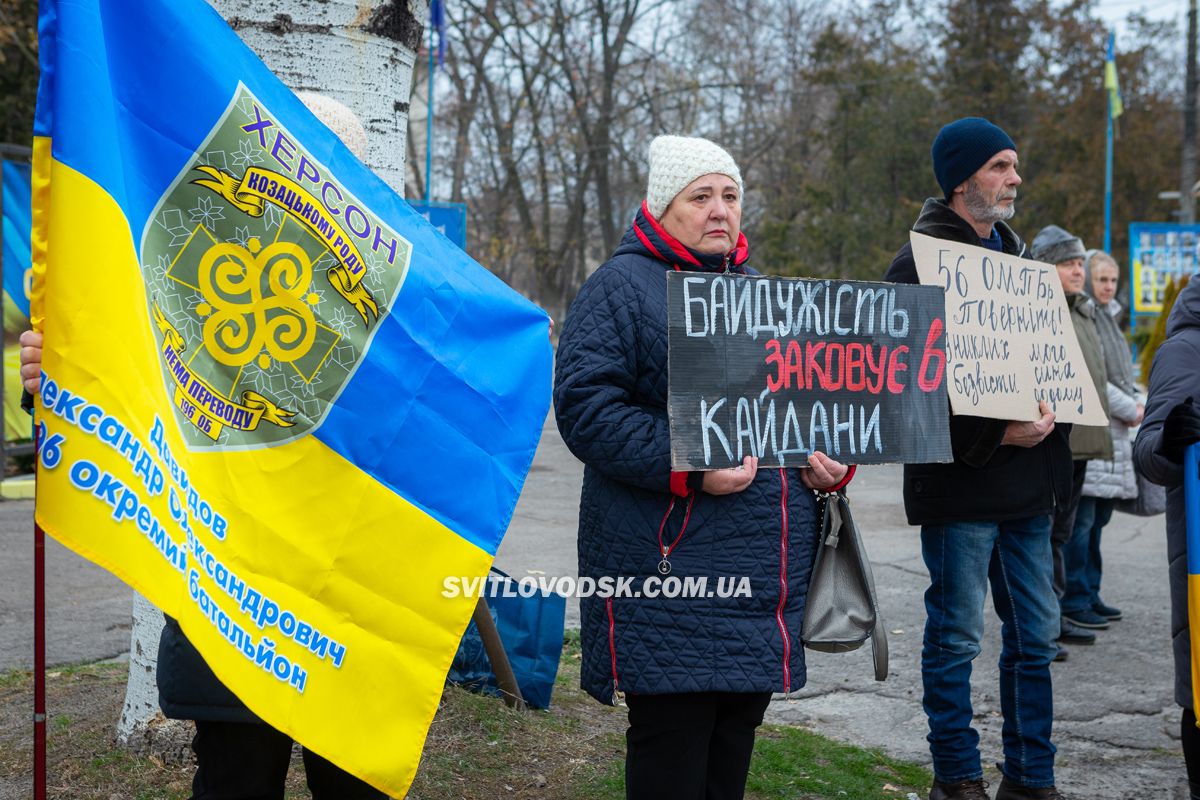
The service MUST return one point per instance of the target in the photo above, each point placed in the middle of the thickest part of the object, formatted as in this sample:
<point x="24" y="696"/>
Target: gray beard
<point x="983" y="211"/>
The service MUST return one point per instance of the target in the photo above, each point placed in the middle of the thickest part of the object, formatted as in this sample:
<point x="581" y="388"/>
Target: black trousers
<point x="246" y="761"/>
<point x="691" y="746"/>
<point x="1191" y="750"/>
<point x="1064" y="525"/>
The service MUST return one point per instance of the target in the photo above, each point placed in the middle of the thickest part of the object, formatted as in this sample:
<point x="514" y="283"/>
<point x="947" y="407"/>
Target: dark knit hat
<point x="1053" y="245"/>
<point x="962" y="147"/>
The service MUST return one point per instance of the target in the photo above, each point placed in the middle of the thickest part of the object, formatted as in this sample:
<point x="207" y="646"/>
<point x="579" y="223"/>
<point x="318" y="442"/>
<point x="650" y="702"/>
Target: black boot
<point x="1073" y="634"/>
<point x="1011" y="791"/>
<point x="1190" y="739"/>
<point x="963" y="790"/>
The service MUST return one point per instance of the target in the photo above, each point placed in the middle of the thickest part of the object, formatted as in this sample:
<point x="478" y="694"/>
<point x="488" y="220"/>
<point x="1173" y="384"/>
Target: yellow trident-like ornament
<point x="244" y="318"/>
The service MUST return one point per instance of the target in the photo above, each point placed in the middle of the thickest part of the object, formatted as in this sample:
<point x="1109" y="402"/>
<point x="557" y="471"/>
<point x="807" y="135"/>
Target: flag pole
<point x="39" y="644"/>
<point x="1108" y="161"/>
<point x="429" y="116"/>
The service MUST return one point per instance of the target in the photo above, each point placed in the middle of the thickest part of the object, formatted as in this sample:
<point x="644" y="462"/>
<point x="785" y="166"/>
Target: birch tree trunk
<point x="360" y="53"/>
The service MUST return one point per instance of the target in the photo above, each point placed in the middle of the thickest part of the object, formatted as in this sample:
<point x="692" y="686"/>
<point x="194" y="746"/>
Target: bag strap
<point x="879" y="642"/>
<point x="879" y="646"/>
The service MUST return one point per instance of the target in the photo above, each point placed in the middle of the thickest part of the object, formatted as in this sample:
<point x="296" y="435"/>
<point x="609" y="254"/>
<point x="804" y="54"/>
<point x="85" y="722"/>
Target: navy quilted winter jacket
<point x="610" y="398"/>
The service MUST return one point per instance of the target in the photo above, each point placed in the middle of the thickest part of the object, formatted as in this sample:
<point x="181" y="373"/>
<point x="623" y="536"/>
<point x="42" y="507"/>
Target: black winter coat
<point x="187" y="688"/>
<point x="986" y="481"/>
<point x="610" y="398"/>
<point x="1174" y="377"/>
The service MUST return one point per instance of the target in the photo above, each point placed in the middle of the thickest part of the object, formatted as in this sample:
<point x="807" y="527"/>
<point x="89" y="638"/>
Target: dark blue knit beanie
<point x="962" y="147"/>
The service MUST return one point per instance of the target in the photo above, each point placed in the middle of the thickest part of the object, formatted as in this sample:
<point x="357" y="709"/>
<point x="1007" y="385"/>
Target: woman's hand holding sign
<point x="824" y="474"/>
<point x="732" y="480"/>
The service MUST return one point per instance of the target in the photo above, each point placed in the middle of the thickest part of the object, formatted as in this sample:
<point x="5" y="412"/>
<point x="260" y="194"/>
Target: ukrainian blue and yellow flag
<point x="275" y="401"/>
<point x="1116" y="107"/>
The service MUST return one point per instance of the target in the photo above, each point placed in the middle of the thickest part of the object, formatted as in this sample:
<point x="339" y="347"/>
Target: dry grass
<point x="477" y="749"/>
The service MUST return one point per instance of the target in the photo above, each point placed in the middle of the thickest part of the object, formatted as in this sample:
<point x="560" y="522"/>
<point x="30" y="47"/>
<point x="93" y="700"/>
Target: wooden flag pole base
<point x="505" y="679"/>
<point x="39" y="663"/>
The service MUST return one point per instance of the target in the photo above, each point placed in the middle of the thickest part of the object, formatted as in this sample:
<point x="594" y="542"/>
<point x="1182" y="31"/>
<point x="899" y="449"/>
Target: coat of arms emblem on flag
<point x="266" y="279"/>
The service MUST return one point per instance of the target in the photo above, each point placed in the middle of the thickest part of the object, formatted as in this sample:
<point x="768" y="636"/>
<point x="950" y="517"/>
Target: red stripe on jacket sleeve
<point x="849" y="476"/>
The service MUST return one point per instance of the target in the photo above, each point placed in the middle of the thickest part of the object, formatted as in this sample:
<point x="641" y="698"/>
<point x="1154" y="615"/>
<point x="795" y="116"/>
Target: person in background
<point x="1106" y="481"/>
<point x="697" y="674"/>
<point x="1171" y="424"/>
<point x="1053" y="245"/>
<point x="985" y="518"/>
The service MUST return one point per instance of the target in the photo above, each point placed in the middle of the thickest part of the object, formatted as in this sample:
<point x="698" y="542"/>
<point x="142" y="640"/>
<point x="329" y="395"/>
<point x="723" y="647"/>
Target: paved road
<point x="87" y="609"/>
<point x="1116" y="724"/>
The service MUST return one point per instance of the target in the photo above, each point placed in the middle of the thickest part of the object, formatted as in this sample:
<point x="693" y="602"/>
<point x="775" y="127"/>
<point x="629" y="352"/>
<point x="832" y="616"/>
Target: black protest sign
<point x="781" y="367"/>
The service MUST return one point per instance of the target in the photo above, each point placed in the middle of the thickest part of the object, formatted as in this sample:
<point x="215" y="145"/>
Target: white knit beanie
<point x="676" y="161"/>
<point x="339" y="119"/>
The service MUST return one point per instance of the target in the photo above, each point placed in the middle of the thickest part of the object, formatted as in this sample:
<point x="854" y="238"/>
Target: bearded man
<point x="986" y="516"/>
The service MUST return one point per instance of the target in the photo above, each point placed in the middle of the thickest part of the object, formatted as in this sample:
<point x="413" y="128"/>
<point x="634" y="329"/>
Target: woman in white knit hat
<point x="696" y="673"/>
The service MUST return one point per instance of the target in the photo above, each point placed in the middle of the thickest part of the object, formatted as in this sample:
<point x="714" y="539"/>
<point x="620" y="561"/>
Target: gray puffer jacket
<point x="1115" y="479"/>
<point x="1090" y="441"/>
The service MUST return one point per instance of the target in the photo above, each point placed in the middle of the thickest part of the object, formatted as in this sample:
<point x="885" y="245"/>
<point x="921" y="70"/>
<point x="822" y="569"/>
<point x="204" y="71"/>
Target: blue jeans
<point x="962" y="558"/>
<point x="1081" y="556"/>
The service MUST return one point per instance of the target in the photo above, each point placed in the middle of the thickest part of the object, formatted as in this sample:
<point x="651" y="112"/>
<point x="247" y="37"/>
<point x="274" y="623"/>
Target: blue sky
<point x="1115" y="11"/>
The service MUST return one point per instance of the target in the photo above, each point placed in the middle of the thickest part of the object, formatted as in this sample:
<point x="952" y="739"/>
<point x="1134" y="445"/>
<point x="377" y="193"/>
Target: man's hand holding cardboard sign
<point x="1010" y="344"/>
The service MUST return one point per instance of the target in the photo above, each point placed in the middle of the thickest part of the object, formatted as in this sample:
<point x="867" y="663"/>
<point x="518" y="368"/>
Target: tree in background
<point x="831" y="117"/>
<point x="868" y="159"/>
<point x="543" y="94"/>
<point x="986" y="70"/>
<point x="1062" y="140"/>
<point x="18" y="69"/>
<point x="1151" y="66"/>
<point x="547" y="107"/>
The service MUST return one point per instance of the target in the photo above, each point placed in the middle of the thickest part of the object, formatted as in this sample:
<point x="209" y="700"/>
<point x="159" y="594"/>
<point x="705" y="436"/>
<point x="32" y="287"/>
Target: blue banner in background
<point x="16" y="272"/>
<point x="1159" y="252"/>
<point x="16" y="235"/>
<point x="449" y="218"/>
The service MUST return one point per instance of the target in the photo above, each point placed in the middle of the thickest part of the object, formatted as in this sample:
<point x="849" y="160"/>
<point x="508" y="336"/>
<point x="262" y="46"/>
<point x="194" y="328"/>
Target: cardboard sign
<point x="781" y="367"/>
<point x="1009" y="336"/>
